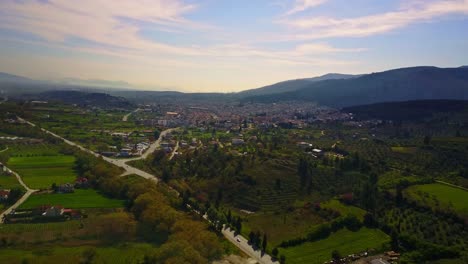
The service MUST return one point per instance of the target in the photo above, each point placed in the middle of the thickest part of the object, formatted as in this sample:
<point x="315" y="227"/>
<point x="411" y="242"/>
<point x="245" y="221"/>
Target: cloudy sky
<point x="224" y="45"/>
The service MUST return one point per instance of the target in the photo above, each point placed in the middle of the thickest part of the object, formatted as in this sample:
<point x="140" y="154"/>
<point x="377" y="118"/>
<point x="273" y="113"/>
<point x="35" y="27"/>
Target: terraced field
<point x="40" y="172"/>
<point x="271" y="197"/>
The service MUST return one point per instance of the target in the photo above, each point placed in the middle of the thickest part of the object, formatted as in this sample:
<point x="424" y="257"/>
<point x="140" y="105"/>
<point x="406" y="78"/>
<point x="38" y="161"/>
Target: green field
<point x="405" y="150"/>
<point x="280" y="227"/>
<point x="344" y="209"/>
<point x="125" y="253"/>
<point x="40" y="172"/>
<point x="345" y="241"/>
<point x="9" y="182"/>
<point x="79" y="199"/>
<point x="444" y="196"/>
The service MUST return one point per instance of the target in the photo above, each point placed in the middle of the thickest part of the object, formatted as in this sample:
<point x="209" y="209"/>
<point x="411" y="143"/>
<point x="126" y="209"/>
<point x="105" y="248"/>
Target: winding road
<point x="118" y="162"/>
<point x="29" y="191"/>
<point x="238" y="240"/>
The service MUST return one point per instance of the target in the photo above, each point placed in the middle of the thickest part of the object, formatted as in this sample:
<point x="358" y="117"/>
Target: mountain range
<point x="334" y="89"/>
<point x="415" y="83"/>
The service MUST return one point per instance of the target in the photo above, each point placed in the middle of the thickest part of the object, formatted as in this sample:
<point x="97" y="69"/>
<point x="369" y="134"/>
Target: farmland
<point x="40" y="172"/>
<point x="344" y="209"/>
<point x="81" y="198"/>
<point x="125" y="253"/>
<point x="9" y="182"/>
<point x="281" y="227"/>
<point x="436" y="195"/>
<point x="345" y="241"/>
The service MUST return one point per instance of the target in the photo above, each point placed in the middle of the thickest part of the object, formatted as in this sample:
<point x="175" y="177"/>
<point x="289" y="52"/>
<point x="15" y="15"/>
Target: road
<point x="29" y="191"/>
<point x="118" y="162"/>
<point x="125" y="117"/>
<point x="242" y="245"/>
<point x="3" y="150"/>
<point x="174" y="151"/>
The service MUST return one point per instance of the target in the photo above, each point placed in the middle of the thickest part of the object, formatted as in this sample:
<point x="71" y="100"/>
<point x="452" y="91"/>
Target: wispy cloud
<point x="105" y="27"/>
<point x="302" y="5"/>
<point x="101" y="22"/>
<point x="416" y="12"/>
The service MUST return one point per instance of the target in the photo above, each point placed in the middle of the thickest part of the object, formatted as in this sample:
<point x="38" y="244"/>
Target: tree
<point x="156" y="134"/>
<point x="239" y="225"/>
<point x="14" y="195"/>
<point x="282" y="259"/>
<point x="166" y="175"/>
<point x="251" y="238"/>
<point x="229" y="217"/>
<point x="278" y="184"/>
<point x="88" y="256"/>
<point x="427" y="140"/>
<point x="394" y="241"/>
<point x="274" y="253"/>
<point x="336" y="256"/>
<point x="264" y="242"/>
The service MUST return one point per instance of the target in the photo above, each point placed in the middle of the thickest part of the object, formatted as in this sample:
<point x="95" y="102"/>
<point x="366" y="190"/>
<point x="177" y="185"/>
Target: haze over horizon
<point x="226" y="46"/>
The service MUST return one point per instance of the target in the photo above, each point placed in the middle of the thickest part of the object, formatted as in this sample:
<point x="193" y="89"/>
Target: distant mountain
<point x="416" y="83"/>
<point x="6" y="77"/>
<point x="94" y="83"/>
<point x="84" y="99"/>
<point x="293" y="85"/>
<point x="408" y="110"/>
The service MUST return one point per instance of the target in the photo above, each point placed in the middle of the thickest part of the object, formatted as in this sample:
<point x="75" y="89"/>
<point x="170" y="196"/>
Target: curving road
<point x="29" y="191"/>
<point x="118" y="162"/>
<point x="238" y="240"/>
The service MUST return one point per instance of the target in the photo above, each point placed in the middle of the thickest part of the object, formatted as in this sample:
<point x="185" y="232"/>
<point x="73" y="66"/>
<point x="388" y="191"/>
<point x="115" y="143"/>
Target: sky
<point x="224" y="45"/>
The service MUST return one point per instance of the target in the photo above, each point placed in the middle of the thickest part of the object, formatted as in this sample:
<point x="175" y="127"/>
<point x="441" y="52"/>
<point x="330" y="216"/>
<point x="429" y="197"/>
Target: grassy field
<point x="344" y="209"/>
<point x="79" y="199"/>
<point x="125" y="253"/>
<point x="40" y="172"/>
<point x="345" y="241"/>
<point x="440" y="195"/>
<point x="281" y="227"/>
<point x="9" y="182"/>
<point x="405" y="150"/>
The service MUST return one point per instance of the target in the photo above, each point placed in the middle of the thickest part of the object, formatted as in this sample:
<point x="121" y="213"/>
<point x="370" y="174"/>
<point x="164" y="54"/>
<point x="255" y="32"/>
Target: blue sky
<point x="225" y="46"/>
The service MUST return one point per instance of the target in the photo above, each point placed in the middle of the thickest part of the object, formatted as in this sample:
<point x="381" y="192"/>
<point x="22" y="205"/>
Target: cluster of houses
<point x="80" y="183"/>
<point x="390" y="257"/>
<point x="44" y="213"/>
<point x="309" y="149"/>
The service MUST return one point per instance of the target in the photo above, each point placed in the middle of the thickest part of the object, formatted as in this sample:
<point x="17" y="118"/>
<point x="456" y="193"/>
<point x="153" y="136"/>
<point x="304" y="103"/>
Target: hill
<point x="293" y="85"/>
<point x="6" y="77"/>
<point x="409" y="110"/>
<point x="416" y="83"/>
<point x="85" y="99"/>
